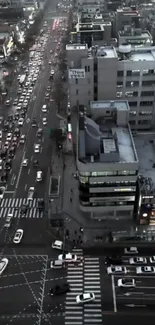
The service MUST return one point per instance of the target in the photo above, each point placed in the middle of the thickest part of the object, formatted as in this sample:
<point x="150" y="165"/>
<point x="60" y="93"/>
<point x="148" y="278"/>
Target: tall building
<point x="107" y="161"/>
<point x="106" y="73"/>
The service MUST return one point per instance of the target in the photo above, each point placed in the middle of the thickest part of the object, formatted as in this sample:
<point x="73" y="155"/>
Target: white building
<point x="106" y="73"/>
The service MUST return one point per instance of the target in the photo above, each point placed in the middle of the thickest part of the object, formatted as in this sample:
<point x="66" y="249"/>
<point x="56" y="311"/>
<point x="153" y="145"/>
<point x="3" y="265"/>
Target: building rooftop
<point x="136" y="54"/>
<point x="145" y="146"/>
<point x="76" y="47"/>
<point x="106" y="137"/>
<point x="137" y="33"/>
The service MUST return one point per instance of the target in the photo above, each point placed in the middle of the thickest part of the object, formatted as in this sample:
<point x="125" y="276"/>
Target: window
<point x="148" y="83"/>
<point x="132" y="84"/>
<point x="131" y="93"/>
<point x="129" y="73"/>
<point x="120" y="73"/>
<point x="132" y="104"/>
<point x="147" y="93"/>
<point x="146" y="103"/>
<point x="144" y="122"/>
<point x="95" y="79"/>
<point x="119" y="94"/>
<point x="77" y="91"/>
<point x="127" y="172"/>
<point x="148" y="72"/>
<point x="85" y="68"/>
<point x="132" y="113"/>
<point x="132" y="122"/>
<point x="120" y="84"/>
<point x="88" y="68"/>
<point x="145" y="113"/>
<point x="135" y="73"/>
<point x="76" y="81"/>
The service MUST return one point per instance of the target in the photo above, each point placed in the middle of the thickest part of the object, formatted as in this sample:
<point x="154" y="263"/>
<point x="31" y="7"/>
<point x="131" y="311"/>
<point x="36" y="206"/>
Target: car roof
<point x="86" y="295"/>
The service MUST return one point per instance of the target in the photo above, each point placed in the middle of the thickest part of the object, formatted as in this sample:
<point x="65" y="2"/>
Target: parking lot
<point x="22" y="285"/>
<point x="137" y="294"/>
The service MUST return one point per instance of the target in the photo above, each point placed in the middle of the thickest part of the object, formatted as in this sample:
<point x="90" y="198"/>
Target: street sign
<point x="76" y="73"/>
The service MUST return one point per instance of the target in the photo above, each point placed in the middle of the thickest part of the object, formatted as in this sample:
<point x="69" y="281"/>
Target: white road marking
<point x="114" y="293"/>
<point x="25" y="187"/>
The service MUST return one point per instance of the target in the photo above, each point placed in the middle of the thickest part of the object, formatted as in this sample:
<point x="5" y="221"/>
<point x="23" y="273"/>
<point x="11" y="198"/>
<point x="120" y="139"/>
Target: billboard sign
<point x="76" y="73"/>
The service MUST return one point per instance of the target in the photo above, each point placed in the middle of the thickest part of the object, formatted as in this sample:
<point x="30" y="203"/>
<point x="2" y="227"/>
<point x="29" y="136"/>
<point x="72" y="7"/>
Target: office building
<point x="106" y="73"/>
<point x="135" y="36"/>
<point x="107" y="161"/>
<point x="126" y="16"/>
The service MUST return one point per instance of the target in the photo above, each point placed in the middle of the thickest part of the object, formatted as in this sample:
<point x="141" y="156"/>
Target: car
<point x="85" y="297"/>
<point x="137" y="260"/>
<point x="14" y="141"/>
<point x="18" y="236"/>
<point x="6" y="145"/>
<point x="44" y="108"/>
<point x="126" y="283"/>
<point x="35" y="163"/>
<point x="152" y="259"/>
<point x="60" y="289"/>
<point x="39" y="176"/>
<point x="47" y="95"/>
<point x="68" y="258"/>
<point x="8" y="164"/>
<point x="39" y="133"/>
<point x="1" y="134"/>
<point x="20" y="121"/>
<point x="44" y="120"/>
<point x="34" y="123"/>
<point x="58" y="244"/>
<point x="12" y="152"/>
<point x="1" y="164"/>
<point x="25" y="163"/>
<point x="113" y="260"/>
<point x="8" y="220"/>
<point x="9" y="137"/>
<point x="145" y="270"/>
<point x="24" y="209"/>
<point x="3" y="264"/>
<point x="22" y="139"/>
<point x="17" y="132"/>
<point x="30" y="193"/>
<point x="36" y="148"/>
<point x="2" y="191"/>
<point x="116" y="270"/>
<point x="130" y="250"/>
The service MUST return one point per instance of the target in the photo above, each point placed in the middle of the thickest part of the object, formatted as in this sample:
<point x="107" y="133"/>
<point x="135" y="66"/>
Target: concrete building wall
<point x="107" y="78"/>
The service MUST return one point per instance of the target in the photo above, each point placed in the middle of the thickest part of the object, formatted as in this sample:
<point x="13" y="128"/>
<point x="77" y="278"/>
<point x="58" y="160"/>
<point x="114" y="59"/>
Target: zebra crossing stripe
<point x="17" y="202"/>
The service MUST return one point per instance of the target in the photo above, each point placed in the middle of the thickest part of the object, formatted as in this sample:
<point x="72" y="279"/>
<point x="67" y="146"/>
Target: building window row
<point x="109" y="173"/>
<point x="142" y="103"/>
<point x="101" y="203"/>
<point x="142" y="113"/>
<point x="135" y="93"/>
<point x="132" y="73"/>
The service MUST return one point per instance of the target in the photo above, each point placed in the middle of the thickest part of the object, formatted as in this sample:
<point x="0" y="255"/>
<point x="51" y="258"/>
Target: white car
<point x="152" y="259"/>
<point x="3" y="264"/>
<point x="130" y="250"/>
<point x="37" y="148"/>
<point x="0" y="134"/>
<point x="18" y="236"/>
<point x="9" y="137"/>
<point x="145" y="270"/>
<point x="67" y="258"/>
<point x="21" y="121"/>
<point x="126" y="283"/>
<point x="1" y="164"/>
<point x="116" y="270"/>
<point x="138" y="260"/>
<point x="58" y="244"/>
<point x="30" y="193"/>
<point x="8" y="220"/>
<point x="85" y="297"/>
<point x="39" y="176"/>
<point x="2" y="191"/>
<point x="25" y="163"/>
<point x="44" y="108"/>
<point x="44" y="121"/>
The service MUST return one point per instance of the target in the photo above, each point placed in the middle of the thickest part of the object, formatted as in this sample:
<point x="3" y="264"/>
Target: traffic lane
<point x="15" y="170"/>
<point x="14" y="299"/>
<point x="106" y="288"/>
<point x="35" y="234"/>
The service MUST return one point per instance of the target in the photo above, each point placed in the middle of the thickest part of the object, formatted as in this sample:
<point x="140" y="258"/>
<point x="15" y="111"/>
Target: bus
<point x="22" y="79"/>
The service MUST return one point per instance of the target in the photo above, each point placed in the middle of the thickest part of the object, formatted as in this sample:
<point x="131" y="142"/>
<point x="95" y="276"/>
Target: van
<point x="57" y="264"/>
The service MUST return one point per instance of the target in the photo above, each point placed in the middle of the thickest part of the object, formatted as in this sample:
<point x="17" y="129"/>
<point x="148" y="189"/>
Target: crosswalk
<point x="17" y="203"/>
<point x="13" y="206"/>
<point x="84" y="277"/>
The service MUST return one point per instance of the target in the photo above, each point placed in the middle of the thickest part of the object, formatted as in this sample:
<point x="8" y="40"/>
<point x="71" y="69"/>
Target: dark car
<point x="10" y="118"/>
<point x="17" y="132"/>
<point x="22" y="114"/>
<point x="41" y="204"/>
<point x="4" y="154"/>
<point x="8" y="164"/>
<point x="60" y="289"/>
<point x="113" y="260"/>
<point x="24" y="209"/>
<point x="34" y="123"/>
<point x="16" y="117"/>
<point x="6" y="126"/>
<point x="11" y="152"/>
<point x="35" y="163"/>
<point x="4" y="178"/>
